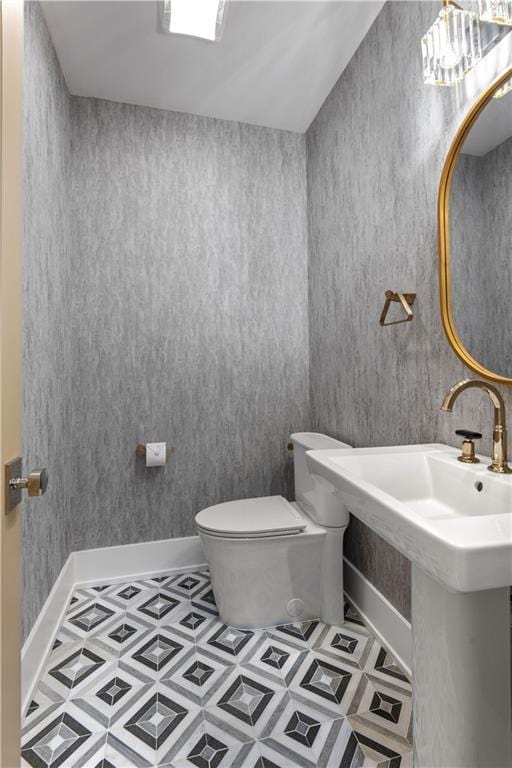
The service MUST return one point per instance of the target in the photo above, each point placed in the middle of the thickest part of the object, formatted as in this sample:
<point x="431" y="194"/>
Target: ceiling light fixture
<point x="195" y="18"/>
<point x="451" y="47"/>
<point x="495" y="11"/>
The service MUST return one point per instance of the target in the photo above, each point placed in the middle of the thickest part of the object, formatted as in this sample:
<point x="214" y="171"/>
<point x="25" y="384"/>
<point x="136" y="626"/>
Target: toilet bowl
<point x="273" y="561"/>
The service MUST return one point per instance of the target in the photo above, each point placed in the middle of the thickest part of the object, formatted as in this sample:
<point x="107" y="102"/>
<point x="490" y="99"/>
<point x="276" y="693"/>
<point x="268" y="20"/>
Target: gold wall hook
<point x="405" y="299"/>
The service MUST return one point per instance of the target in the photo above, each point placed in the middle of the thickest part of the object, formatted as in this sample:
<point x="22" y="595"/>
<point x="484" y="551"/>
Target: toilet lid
<point x="246" y="518"/>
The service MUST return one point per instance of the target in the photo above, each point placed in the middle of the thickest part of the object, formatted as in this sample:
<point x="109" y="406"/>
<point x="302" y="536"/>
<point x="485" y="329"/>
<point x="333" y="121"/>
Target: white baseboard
<point x="386" y="623"/>
<point x="41" y="637"/>
<point x="137" y="560"/>
<point x="132" y="561"/>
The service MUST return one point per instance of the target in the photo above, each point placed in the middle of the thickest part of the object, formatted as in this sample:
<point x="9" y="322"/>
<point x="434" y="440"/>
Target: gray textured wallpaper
<point x="48" y="347"/>
<point x="374" y="158"/>
<point x="189" y="320"/>
<point x="166" y="299"/>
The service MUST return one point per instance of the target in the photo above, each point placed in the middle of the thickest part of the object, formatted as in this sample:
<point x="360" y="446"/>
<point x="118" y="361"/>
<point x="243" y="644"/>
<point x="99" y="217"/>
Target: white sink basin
<point x="453" y="520"/>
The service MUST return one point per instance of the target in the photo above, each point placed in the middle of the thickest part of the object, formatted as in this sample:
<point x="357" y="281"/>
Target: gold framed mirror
<point x="475" y="265"/>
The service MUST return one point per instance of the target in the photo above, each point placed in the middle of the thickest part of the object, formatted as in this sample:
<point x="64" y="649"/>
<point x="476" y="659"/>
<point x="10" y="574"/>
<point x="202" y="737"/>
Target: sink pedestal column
<point x="461" y="671"/>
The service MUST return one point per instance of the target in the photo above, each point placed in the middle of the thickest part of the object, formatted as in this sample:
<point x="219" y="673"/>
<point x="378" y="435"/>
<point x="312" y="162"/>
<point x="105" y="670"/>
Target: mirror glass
<point x="481" y="238"/>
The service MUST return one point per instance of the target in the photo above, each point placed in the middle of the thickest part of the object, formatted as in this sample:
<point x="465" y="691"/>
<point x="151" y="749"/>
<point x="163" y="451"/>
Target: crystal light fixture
<point x="195" y="18"/>
<point x="451" y="47"/>
<point x="496" y="11"/>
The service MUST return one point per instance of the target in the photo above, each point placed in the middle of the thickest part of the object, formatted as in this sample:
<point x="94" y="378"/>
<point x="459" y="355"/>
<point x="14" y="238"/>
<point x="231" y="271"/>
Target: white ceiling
<point x="274" y="65"/>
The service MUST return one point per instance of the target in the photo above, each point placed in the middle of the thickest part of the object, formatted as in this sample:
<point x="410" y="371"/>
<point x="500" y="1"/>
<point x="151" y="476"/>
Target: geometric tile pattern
<point x="77" y="667"/>
<point x="246" y="699"/>
<point x="158" y="606"/>
<point x="56" y="743"/>
<point x="114" y="690"/>
<point x="145" y="674"/>
<point x="326" y="680"/>
<point x="91" y="617"/>
<point x="155" y="720"/>
<point x="157" y="652"/>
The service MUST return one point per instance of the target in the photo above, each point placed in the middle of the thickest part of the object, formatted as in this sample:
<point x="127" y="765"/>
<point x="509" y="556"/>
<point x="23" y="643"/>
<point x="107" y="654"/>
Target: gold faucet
<point x="499" y="436"/>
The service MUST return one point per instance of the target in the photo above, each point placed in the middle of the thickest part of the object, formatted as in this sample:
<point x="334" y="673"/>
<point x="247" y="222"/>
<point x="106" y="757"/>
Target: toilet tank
<point x="313" y="495"/>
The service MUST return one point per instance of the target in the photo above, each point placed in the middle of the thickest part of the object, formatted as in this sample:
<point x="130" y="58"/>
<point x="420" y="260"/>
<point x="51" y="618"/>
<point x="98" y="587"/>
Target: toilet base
<point x="279" y="579"/>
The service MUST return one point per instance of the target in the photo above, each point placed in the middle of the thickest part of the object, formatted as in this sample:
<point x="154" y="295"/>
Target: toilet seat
<point x="251" y="518"/>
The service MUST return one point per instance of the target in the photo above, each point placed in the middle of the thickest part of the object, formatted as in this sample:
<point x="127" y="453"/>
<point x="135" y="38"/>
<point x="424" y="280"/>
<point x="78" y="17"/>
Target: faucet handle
<point x="469" y="434"/>
<point x="468" y="447"/>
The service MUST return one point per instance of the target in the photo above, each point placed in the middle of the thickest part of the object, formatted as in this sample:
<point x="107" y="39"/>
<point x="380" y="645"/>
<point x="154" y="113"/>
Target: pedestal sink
<point x="454" y="522"/>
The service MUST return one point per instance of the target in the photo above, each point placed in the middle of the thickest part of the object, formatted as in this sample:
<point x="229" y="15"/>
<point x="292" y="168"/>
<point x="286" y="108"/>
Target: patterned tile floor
<point x="145" y="674"/>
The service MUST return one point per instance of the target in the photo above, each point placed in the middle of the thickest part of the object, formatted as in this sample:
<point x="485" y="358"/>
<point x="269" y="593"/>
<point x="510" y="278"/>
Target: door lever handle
<point x="36" y="482"/>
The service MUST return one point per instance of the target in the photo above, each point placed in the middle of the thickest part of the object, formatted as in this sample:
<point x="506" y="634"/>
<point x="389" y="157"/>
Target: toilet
<point x="273" y="561"/>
